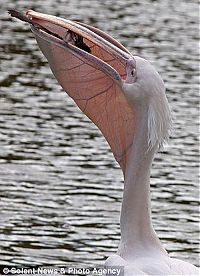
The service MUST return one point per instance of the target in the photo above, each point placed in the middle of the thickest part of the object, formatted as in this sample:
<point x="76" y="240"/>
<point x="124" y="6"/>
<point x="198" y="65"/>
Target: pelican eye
<point x="133" y="72"/>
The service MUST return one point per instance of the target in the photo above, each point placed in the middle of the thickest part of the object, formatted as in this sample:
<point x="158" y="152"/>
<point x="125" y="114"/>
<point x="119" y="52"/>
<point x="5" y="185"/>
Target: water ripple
<point x="60" y="186"/>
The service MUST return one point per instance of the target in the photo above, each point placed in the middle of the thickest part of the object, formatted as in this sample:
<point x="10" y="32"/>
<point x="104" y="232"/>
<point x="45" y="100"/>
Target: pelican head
<point x="143" y="86"/>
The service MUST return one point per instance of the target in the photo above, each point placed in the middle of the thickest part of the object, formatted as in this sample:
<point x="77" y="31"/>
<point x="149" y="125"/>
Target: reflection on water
<point x="60" y="186"/>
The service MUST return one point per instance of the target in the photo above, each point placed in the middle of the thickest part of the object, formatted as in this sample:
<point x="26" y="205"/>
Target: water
<point x="60" y="186"/>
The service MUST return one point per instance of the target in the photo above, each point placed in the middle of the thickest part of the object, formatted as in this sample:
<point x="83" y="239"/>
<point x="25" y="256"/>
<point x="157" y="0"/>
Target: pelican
<point x="124" y="96"/>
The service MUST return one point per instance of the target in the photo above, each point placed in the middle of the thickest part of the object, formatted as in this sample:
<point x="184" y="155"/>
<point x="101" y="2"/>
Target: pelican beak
<point x="83" y="40"/>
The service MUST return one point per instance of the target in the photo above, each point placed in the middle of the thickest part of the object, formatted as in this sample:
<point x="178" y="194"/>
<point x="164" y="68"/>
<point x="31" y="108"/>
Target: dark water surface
<point x="60" y="186"/>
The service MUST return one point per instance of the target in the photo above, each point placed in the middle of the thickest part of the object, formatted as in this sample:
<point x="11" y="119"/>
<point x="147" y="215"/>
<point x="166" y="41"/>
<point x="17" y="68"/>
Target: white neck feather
<point x="159" y="121"/>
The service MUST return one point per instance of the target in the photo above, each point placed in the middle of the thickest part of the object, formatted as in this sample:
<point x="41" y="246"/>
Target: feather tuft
<point x="159" y="122"/>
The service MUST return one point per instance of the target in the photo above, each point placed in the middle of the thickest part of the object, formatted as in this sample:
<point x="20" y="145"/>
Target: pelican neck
<point x="137" y="233"/>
